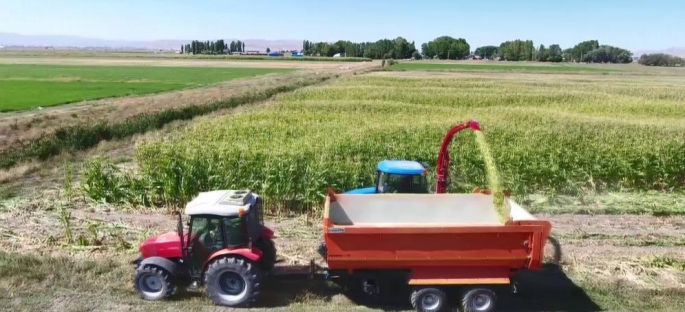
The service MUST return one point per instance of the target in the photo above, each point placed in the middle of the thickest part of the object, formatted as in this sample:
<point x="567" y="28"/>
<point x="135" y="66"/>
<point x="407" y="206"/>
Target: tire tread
<point x="166" y="277"/>
<point x="237" y="265"/>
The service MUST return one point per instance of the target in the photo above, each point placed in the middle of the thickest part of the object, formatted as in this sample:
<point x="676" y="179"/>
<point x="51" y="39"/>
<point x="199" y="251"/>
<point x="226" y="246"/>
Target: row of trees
<point x="661" y="59"/>
<point x="446" y="47"/>
<point x="587" y="51"/>
<point x="398" y="48"/>
<point x="213" y="47"/>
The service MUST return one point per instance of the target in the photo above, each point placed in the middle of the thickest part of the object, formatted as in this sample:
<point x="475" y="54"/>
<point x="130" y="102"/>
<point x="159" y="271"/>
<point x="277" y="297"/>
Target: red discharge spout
<point x="442" y="165"/>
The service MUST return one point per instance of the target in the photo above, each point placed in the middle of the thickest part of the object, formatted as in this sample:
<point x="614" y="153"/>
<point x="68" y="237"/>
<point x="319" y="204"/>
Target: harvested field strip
<point x="642" y="203"/>
<point x="594" y="239"/>
<point x="334" y="134"/>
<point x="422" y="65"/>
<point x="29" y="86"/>
<point x="87" y="135"/>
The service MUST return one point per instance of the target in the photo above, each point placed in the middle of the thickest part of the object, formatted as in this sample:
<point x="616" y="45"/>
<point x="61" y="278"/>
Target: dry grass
<point x="17" y="172"/>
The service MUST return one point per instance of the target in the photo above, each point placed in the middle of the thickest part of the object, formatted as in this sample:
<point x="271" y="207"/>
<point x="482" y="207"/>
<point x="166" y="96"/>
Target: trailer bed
<point x="412" y="210"/>
<point x="456" y="233"/>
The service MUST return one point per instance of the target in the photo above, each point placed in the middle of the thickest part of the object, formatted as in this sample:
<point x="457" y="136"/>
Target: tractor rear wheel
<point x="232" y="282"/>
<point x="153" y="283"/>
<point x="268" y="260"/>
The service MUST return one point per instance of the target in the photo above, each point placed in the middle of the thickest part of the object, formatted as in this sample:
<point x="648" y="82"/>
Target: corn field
<point x="547" y="133"/>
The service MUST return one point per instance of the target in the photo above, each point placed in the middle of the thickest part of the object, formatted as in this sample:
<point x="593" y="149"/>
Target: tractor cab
<point x="225" y="245"/>
<point x="397" y="176"/>
<point x="222" y="221"/>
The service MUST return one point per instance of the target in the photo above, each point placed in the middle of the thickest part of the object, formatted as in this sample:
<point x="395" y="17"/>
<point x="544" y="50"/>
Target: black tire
<point x="478" y="300"/>
<point x="232" y="282"/>
<point x="428" y="299"/>
<point x="268" y="259"/>
<point x="153" y="283"/>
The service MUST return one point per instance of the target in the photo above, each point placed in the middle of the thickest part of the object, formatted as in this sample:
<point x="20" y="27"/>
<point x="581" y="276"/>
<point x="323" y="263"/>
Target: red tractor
<point x="227" y="249"/>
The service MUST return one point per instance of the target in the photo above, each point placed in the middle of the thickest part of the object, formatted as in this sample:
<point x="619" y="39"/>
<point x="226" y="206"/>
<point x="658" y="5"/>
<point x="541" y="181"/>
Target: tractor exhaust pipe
<point x="180" y="236"/>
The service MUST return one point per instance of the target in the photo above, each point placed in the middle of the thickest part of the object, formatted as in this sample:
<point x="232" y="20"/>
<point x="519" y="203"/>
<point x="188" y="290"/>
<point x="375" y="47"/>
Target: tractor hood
<point x="165" y="245"/>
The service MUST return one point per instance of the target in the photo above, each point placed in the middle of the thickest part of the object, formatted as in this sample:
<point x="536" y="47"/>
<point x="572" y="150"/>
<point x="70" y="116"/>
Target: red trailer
<point x="435" y="243"/>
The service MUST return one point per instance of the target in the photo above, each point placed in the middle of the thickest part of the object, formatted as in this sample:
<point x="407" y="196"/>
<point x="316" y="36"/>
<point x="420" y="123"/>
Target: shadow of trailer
<point x="545" y="289"/>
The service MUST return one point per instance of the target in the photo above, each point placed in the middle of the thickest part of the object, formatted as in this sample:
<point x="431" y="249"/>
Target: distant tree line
<point x="661" y="59"/>
<point x="446" y="47"/>
<point x="213" y="47"/>
<point x="398" y="48"/>
<point x="587" y="51"/>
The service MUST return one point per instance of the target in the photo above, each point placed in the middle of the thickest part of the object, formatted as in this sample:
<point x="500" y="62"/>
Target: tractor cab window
<point x="207" y="231"/>
<point x="399" y="183"/>
<point x="204" y="238"/>
<point x="235" y="230"/>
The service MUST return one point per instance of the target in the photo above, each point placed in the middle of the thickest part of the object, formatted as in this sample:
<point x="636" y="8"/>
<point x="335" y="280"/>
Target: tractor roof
<point x="401" y="167"/>
<point x="221" y="203"/>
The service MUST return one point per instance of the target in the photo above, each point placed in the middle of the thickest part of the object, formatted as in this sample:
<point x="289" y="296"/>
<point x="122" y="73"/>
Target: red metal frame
<point x="442" y="167"/>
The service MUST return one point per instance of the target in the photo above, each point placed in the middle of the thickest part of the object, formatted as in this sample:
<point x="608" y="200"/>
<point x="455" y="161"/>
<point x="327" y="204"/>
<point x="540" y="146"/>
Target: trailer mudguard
<point x="163" y="263"/>
<point x="459" y="276"/>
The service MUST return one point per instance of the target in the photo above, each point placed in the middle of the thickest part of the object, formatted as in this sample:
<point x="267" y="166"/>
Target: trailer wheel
<point x="232" y="282"/>
<point x="478" y="300"/>
<point x="153" y="283"/>
<point x="428" y="299"/>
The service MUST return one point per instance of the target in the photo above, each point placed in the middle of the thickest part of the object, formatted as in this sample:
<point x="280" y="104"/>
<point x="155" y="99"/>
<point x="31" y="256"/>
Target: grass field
<point x="30" y="86"/>
<point x="600" y="133"/>
<point x="497" y="66"/>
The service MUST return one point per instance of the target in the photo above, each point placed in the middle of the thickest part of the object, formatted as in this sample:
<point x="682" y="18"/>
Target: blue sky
<point x="632" y="24"/>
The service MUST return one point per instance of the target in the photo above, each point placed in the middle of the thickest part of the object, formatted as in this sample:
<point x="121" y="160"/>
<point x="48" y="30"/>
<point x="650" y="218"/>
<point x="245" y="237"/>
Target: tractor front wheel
<point x="153" y="283"/>
<point x="232" y="282"/>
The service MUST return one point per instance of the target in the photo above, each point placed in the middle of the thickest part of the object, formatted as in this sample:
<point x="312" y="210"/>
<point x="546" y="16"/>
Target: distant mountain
<point x="13" y="39"/>
<point x="677" y="51"/>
